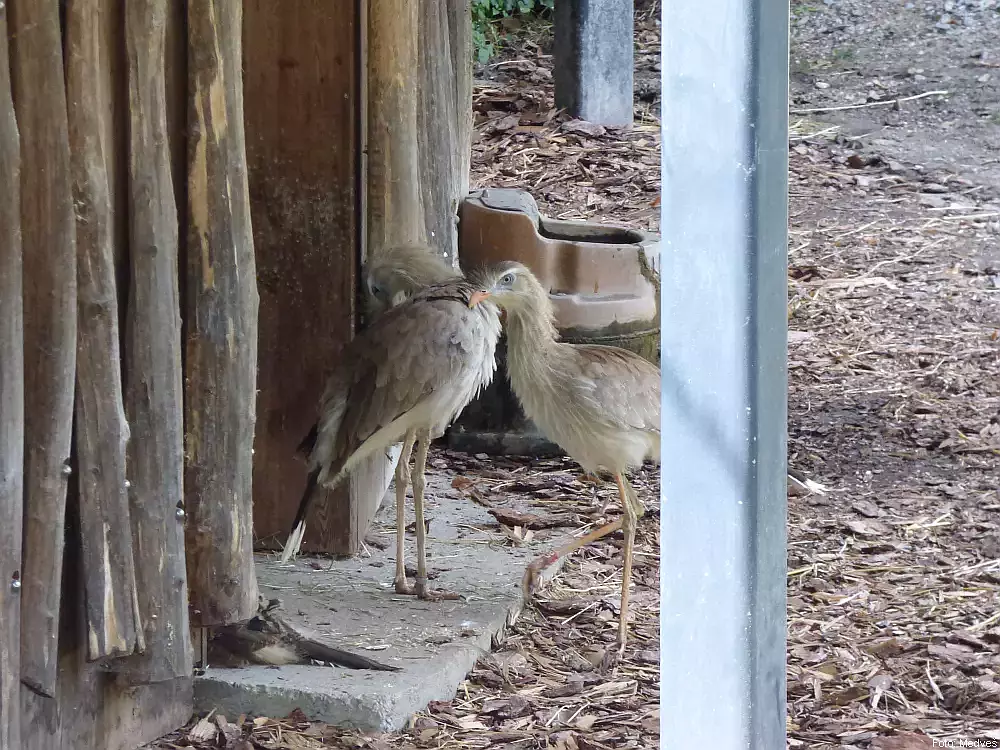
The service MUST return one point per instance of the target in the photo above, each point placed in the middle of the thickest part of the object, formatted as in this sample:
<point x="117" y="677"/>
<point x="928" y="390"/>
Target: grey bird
<point x="403" y="379"/>
<point x="267" y="638"/>
<point x="394" y="273"/>
<point x="601" y="404"/>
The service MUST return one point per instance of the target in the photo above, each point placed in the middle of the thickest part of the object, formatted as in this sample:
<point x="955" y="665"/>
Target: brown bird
<point x="393" y="274"/>
<point x="600" y="404"/>
<point x="403" y="379"/>
<point x="268" y="639"/>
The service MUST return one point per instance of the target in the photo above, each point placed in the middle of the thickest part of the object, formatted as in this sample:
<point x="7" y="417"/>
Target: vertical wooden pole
<point x="418" y="140"/>
<point x="153" y="395"/>
<point x="221" y="362"/>
<point x="48" y="237"/>
<point x="444" y="123"/>
<point x="460" y="36"/>
<point x="395" y="208"/>
<point x="419" y="106"/>
<point x="110" y="598"/>
<point x="11" y="409"/>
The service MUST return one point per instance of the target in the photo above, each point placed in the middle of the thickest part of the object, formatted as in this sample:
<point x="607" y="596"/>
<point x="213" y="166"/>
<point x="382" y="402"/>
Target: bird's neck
<point x="532" y="341"/>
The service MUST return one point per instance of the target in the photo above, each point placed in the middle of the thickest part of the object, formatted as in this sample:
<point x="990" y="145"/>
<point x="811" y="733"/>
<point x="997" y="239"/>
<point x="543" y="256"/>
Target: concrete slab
<point x="353" y="605"/>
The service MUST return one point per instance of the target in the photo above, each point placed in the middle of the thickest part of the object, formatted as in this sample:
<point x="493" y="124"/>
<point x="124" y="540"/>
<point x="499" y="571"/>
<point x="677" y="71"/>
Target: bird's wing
<point x="350" y="377"/>
<point x="415" y="350"/>
<point x="622" y="385"/>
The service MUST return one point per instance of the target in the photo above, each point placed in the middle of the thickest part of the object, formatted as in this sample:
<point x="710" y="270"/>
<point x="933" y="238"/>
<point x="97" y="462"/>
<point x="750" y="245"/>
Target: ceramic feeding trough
<point x="603" y="282"/>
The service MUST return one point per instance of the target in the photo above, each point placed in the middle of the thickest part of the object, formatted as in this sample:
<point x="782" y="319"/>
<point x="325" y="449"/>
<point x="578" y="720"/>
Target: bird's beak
<point x="476" y="297"/>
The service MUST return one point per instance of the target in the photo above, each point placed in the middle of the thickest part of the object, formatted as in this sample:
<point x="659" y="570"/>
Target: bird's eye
<point x="376" y="290"/>
<point x="507" y="280"/>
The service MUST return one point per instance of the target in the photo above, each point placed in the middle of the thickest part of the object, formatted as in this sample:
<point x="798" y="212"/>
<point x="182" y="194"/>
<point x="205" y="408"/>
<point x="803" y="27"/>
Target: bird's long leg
<point x="419" y="467"/>
<point x="631" y="518"/>
<point x="402" y="479"/>
<point x="540" y="563"/>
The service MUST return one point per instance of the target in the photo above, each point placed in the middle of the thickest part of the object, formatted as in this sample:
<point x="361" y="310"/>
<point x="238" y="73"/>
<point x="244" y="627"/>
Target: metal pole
<point x="724" y="323"/>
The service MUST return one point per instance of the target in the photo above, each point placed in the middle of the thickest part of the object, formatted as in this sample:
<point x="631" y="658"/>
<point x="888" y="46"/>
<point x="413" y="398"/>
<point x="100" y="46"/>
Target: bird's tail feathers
<point x="308" y="443"/>
<point x="278" y="655"/>
<point x="298" y="531"/>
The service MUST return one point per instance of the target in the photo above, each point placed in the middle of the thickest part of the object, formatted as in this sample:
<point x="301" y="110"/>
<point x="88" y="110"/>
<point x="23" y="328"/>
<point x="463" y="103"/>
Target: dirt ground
<point x="894" y="402"/>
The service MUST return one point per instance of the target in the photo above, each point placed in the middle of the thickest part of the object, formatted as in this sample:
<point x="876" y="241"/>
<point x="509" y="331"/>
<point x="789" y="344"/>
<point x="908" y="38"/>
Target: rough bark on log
<point x="153" y="395"/>
<point x="304" y="196"/>
<point x="101" y="433"/>
<point x="419" y="147"/>
<point x="444" y="125"/>
<point x="93" y="709"/>
<point x="460" y="36"/>
<point x="395" y="208"/>
<point x="48" y="240"/>
<point x="221" y="343"/>
<point x="11" y="409"/>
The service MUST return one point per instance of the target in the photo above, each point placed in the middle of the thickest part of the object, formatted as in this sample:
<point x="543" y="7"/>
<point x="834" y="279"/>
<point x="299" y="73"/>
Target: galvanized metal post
<point x="724" y="258"/>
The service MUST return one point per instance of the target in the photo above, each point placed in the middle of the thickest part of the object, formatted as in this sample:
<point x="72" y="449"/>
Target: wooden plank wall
<point x="94" y="188"/>
<point x="80" y="200"/>
<point x="303" y="195"/>
<point x="387" y="98"/>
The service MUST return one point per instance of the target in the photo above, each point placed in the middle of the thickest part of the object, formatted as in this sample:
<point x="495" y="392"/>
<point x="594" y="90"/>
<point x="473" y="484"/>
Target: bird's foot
<point x="622" y="642"/>
<point x="403" y="586"/>
<point x="622" y="634"/>
<point x="533" y="573"/>
<point x="612" y="658"/>
<point x="530" y="581"/>
<point x="603" y="510"/>
<point x="433" y="595"/>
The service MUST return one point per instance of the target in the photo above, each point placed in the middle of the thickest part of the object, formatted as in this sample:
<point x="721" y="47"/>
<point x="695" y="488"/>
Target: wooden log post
<point x="153" y="394"/>
<point x="304" y="198"/>
<point x="95" y="710"/>
<point x="48" y="239"/>
<point x="110" y="597"/>
<point x="394" y="205"/>
<point x="444" y="122"/>
<point x="419" y="134"/>
<point x="393" y="210"/>
<point x="11" y="409"/>
<point x="418" y="143"/>
<point x="221" y="362"/>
